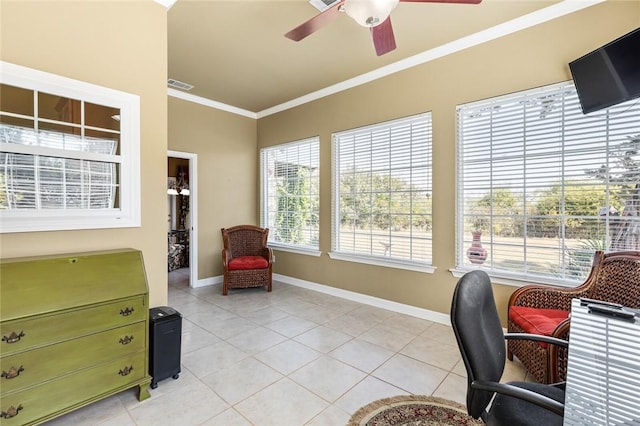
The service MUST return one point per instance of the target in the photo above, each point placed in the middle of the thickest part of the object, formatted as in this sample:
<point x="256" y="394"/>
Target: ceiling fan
<point x="374" y="14"/>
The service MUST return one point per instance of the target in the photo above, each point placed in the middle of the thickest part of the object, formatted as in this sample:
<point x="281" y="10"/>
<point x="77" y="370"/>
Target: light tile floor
<point x="291" y="357"/>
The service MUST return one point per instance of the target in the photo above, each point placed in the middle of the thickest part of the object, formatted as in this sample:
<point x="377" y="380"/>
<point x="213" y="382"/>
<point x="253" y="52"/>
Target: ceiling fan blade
<point x="444" y="1"/>
<point x="383" y="38"/>
<point x="315" y="23"/>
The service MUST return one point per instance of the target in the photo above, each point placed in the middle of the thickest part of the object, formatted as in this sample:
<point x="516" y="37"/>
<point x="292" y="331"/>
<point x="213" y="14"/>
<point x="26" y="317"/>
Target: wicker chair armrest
<point x="558" y="356"/>
<point x="546" y="297"/>
<point x="267" y="253"/>
<point x="226" y="257"/>
<point x="552" y="297"/>
<point x="562" y="330"/>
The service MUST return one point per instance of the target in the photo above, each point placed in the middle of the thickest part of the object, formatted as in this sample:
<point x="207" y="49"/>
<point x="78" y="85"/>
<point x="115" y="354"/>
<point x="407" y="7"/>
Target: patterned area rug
<point x="412" y="410"/>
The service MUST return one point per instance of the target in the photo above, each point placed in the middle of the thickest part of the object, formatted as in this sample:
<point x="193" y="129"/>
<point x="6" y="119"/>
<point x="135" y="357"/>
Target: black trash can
<point x="165" y="337"/>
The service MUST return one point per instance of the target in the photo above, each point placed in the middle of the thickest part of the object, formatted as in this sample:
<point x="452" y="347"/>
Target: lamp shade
<point x="369" y="13"/>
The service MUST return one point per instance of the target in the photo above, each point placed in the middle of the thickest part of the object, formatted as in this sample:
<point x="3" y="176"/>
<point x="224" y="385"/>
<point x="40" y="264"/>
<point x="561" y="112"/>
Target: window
<point x="290" y="202"/>
<point x="543" y="186"/>
<point x="70" y="152"/>
<point x="382" y="193"/>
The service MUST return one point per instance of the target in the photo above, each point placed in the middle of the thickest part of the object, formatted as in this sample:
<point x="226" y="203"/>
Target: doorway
<point x="182" y="218"/>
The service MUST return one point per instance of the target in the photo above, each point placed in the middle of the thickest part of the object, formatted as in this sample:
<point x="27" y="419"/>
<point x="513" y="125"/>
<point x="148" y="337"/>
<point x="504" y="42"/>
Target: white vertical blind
<point x="382" y="190"/>
<point x="290" y="204"/>
<point x="603" y="370"/>
<point x="546" y="184"/>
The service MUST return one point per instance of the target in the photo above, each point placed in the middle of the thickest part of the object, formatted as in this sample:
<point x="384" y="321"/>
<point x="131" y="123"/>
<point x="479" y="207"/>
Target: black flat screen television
<point x="608" y="75"/>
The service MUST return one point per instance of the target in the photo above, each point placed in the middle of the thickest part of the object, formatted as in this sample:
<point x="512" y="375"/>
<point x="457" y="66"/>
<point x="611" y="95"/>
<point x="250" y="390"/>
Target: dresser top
<point x="37" y="285"/>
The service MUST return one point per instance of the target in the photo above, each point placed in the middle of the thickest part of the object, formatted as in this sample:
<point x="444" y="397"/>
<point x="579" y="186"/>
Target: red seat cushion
<point x="537" y="321"/>
<point x="248" y="262"/>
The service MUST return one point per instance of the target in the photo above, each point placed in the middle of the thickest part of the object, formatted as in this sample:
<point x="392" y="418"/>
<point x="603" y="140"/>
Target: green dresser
<point x="74" y="330"/>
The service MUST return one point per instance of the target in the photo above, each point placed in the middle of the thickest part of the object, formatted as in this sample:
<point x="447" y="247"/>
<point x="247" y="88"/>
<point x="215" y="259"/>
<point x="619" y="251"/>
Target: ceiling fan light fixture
<point x="369" y="13"/>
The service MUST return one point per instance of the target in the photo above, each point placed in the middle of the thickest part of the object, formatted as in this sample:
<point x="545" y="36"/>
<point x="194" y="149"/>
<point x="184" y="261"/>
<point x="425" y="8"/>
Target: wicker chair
<point x="246" y="259"/>
<point x="614" y="277"/>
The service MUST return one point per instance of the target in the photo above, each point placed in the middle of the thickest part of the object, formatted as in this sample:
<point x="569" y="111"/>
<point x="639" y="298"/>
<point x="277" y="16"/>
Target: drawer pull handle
<point x="126" y="371"/>
<point x="13" y="337"/>
<point x="126" y="311"/>
<point x="12" y="373"/>
<point x="11" y="412"/>
<point x="126" y="340"/>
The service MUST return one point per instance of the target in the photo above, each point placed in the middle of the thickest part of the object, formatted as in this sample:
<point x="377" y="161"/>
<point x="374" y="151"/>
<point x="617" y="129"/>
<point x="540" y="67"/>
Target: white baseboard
<point x="401" y="308"/>
<point x="367" y="300"/>
<point x="208" y="281"/>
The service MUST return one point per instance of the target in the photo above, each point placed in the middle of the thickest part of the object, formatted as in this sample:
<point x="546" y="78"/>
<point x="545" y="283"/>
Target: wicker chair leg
<point x="224" y="287"/>
<point x="509" y="354"/>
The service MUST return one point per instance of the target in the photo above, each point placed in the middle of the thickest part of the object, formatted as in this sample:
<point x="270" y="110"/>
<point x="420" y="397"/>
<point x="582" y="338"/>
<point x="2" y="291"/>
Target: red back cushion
<point x="537" y="321"/>
<point x="248" y="262"/>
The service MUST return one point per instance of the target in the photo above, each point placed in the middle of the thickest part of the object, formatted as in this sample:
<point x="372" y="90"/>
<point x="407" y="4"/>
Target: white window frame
<point x="266" y="187"/>
<point x="581" y="146"/>
<point x="128" y="214"/>
<point x="386" y="256"/>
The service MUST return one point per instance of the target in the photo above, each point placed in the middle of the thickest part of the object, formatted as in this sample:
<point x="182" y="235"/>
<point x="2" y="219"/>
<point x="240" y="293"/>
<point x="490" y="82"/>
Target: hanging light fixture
<point x="179" y="186"/>
<point x="369" y="13"/>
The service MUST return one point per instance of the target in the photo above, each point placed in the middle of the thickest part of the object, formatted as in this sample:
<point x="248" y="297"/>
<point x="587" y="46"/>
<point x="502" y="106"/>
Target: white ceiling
<point x="236" y="55"/>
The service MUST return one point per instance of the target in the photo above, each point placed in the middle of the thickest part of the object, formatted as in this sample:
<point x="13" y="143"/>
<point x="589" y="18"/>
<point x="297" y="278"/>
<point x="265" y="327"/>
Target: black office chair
<point x="477" y="327"/>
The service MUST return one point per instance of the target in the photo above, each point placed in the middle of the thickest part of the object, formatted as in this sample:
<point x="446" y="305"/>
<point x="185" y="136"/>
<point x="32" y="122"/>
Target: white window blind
<point x="382" y="187"/>
<point x="290" y="202"/>
<point x="68" y="180"/>
<point x="546" y="185"/>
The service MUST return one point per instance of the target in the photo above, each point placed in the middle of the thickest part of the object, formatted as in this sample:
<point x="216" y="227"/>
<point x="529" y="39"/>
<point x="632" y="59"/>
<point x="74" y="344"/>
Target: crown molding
<point x="212" y="104"/>
<point x="166" y="3"/>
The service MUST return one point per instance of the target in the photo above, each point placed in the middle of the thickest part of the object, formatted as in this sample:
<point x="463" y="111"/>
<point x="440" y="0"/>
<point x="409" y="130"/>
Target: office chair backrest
<point x="476" y="324"/>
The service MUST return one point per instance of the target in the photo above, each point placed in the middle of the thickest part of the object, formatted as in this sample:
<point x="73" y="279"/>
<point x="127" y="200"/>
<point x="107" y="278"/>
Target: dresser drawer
<point x="31" y="367"/>
<point x="21" y="335"/>
<point x="73" y="391"/>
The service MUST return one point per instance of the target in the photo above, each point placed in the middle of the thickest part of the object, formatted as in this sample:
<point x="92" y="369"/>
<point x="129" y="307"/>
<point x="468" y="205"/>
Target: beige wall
<point x="121" y="45"/>
<point x="227" y="178"/>
<point x="527" y="59"/>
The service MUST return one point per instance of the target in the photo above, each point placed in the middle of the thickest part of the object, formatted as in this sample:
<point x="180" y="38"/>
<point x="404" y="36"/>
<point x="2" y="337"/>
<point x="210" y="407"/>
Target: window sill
<point x="514" y="280"/>
<point x="297" y="250"/>
<point x="14" y="221"/>
<point x="384" y="262"/>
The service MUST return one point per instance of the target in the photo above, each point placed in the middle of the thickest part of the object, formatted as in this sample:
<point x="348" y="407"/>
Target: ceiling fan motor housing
<point x="369" y="13"/>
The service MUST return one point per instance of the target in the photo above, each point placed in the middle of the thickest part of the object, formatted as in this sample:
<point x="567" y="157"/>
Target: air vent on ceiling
<point x="179" y="85"/>
<point x="322" y="4"/>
